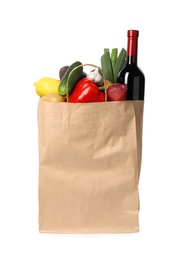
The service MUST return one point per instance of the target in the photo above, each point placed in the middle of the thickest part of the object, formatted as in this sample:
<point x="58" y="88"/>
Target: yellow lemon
<point x="46" y="86"/>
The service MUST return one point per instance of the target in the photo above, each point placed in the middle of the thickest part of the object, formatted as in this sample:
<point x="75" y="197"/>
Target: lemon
<point x="46" y="86"/>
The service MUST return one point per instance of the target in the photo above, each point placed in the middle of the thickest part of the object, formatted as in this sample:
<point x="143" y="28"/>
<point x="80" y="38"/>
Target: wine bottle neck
<point x="132" y="59"/>
<point x="132" y="47"/>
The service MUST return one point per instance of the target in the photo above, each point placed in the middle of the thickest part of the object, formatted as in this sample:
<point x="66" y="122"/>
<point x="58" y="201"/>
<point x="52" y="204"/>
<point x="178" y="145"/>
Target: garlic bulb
<point x="96" y="77"/>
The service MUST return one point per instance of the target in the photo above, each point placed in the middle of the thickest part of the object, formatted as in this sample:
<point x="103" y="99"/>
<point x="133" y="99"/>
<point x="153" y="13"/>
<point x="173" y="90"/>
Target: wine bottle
<point x="131" y="75"/>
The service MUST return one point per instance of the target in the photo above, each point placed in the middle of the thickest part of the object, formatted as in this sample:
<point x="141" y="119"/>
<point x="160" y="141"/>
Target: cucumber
<point x="74" y="78"/>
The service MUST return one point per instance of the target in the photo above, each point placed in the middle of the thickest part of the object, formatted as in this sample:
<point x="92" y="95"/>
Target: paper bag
<point x="89" y="166"/>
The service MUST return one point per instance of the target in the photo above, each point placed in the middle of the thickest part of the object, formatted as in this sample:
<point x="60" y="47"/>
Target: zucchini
<point x="74" y="78"/>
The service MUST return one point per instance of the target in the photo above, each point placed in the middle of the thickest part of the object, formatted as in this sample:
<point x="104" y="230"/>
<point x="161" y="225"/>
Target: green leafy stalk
<point x="119" y="63"/>
<point x="107" y="66"/>
<point x="114" y="54"/>
<point x="106" y="50"/>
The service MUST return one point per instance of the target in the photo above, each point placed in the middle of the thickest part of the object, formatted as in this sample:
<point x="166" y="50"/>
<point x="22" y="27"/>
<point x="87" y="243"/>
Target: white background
<point x="36" y="39"/>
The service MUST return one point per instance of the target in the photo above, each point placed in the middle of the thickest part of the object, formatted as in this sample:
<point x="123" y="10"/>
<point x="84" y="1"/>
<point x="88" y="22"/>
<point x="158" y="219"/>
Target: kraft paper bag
<point x="89" y="166"/>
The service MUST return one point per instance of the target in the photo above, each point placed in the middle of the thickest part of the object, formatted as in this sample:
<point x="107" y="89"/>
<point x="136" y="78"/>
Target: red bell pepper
<point x="86" y="91"/>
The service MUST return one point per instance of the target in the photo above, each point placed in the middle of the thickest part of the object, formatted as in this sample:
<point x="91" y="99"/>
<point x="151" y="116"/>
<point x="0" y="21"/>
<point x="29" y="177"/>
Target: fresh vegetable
<point x="100" y="98"/>
<point x="86" y="91"/>
<point x="106" y="50"/>
<point x="53" y="98"/>
<point x="111" y="65"/>
<point x="107" y="84"/>
<point x="119" y="63"/>
<point x="83" y="75"/>
<point x="63" y="71"/>
<point x="106" y="66"/>
<point x="114" y="53"/>
<point x="74" y="78"/>
<point x="117" y="92"/>
<point x="96" y="77"/>
<point x="46" y="86"/>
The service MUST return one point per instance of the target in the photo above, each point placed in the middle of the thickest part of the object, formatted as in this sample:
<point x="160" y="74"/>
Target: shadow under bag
<point x="89" y="166"/>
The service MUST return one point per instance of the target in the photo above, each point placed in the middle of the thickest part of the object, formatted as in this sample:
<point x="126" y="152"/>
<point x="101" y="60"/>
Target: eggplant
<point x="62" y="71"/>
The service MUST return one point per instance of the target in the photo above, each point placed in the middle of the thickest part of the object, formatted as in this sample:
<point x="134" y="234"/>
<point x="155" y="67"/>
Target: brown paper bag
<point x="89" y="166"/>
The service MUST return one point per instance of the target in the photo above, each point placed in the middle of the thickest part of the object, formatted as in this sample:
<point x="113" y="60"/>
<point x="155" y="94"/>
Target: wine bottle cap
<point x="133" y="33"/>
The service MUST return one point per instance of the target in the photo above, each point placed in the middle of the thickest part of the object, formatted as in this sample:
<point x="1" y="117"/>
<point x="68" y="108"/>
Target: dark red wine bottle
<point x="131" y="75"/>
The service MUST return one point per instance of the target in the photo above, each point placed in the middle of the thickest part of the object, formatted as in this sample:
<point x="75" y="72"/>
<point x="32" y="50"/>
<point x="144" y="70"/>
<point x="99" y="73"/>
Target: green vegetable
<point x="114" y="58"/>
<point x="106" y="50"/>
<point x="107" y="66"/>
<point x="74" y="78"/>
<point x="119" y="63"/>
<point x="111" y="65"/>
